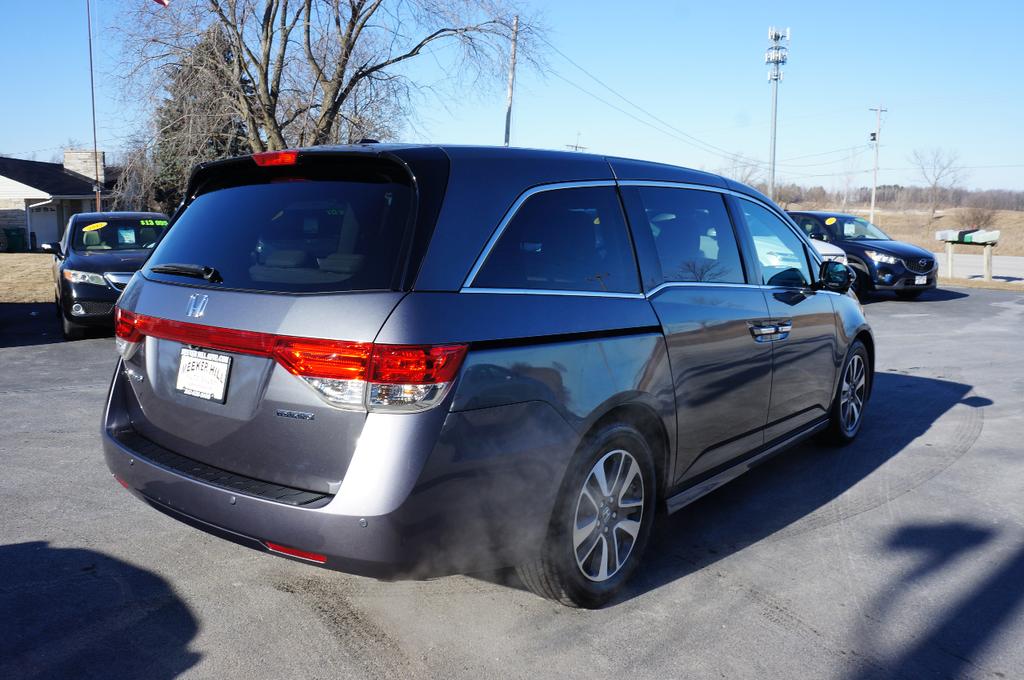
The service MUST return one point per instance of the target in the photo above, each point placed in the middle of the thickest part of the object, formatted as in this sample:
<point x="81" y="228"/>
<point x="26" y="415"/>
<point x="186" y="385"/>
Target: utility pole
<point x="92" y="92"/>
<point x="511" y="78"/>
<point x="775" y="57"/>
<point x="875" y="138"/>
<point x="576" y="146"/>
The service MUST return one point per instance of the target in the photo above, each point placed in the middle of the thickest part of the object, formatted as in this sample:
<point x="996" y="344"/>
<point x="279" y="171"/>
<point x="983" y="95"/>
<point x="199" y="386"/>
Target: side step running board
<point x="700" y="489"/>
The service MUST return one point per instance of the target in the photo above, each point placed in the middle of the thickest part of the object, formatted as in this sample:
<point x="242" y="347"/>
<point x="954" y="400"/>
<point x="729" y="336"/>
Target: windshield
<point x="118" y="234"/>
<point x="855" y="229"/>
<point x="293" y="234"/>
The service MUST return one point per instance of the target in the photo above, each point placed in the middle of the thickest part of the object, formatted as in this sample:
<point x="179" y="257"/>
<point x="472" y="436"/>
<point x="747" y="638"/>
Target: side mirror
<point x="53" y="248"/>
<point x="821" y="236"/>
<point x="835" y="276"/>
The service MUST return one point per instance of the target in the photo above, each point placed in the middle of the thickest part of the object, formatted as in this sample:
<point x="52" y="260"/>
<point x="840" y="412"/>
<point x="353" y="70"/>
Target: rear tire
<point x="851" y="396"/>
<point x="601" y="522"/>
<point x="908" y="294"/>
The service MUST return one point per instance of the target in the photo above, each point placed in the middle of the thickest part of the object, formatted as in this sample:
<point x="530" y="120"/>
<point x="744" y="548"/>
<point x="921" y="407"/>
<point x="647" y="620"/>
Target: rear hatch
<point x="249" y="327"/>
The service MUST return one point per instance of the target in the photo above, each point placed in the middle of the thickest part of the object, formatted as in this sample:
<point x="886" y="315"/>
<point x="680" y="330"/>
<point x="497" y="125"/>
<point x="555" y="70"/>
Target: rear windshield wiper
<point x="197" y="271"/>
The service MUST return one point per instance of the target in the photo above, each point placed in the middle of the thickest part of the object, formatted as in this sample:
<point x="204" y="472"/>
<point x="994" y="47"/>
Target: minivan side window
<point x="780" y="251"/>
<point x="564" y="239"/>
<point x="693" y="236"/>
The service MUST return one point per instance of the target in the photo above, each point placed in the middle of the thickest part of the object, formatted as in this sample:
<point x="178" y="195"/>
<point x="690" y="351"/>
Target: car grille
<point x="96" y="308"/>
<point x="919" y="265"/>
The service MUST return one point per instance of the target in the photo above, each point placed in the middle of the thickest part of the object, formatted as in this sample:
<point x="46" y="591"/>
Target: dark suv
<point x="93" y="262"/>
<point x="881" y="263"/>
<point x="406" y="361"/>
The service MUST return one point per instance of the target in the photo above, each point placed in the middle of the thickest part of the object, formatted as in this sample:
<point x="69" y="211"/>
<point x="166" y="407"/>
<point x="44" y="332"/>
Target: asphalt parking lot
<point x="901" y="556"/>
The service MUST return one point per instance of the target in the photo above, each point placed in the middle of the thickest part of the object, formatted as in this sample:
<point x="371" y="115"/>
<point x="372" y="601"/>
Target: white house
<point x="38" y="198"/>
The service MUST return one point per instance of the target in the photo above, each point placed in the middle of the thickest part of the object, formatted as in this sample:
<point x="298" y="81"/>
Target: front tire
<point x="70" y="331"/>
<point x="601" y="523"/>
<point x="851" y="395"/>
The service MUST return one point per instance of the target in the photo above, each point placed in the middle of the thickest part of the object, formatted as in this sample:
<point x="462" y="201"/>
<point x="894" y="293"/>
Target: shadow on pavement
<point x="793" y="485"/>
<point x="33" y="323"/>
<point x="959" y="634"/>
<point x="932" y="295"/>
<point x="73" y="613"/>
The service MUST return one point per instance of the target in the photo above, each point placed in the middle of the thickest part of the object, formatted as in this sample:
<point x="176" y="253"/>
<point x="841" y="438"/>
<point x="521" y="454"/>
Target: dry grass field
<point x="26" y="277"/>
<point x="915" y="226"/>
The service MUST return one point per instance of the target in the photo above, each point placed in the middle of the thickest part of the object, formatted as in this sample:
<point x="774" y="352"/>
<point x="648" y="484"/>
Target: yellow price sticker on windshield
<point x="95" y="226"/>
<point x="830" y="221"/>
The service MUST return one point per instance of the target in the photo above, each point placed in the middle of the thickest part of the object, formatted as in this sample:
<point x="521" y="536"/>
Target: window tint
<point x="812" y="226"/>
<point x="295" y="234"/>
<point x="780" y="251"/>
<point x="692" y="235"/>
<point x="564" y="239"/>
<point x="117" y="233"/>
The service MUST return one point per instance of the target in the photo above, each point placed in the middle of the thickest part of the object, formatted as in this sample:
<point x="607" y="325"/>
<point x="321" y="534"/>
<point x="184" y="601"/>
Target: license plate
<point x="203" y="374"/>
<point x="920" y="280"/>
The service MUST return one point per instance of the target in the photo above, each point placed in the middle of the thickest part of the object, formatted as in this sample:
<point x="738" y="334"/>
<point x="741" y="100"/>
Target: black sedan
<point x="881" y="263"/>
<point x="93" y="262"/>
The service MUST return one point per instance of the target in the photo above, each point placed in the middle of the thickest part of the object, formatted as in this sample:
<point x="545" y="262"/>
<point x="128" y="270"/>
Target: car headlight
<point x="882" y="258"/>
<point x="75" y="276"/>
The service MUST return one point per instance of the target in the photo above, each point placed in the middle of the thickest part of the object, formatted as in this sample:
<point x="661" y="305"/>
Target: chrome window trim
<point x="467" y="285"/>
<point x="511" y="213"/>
<point x="698" y="284"/>
<point x="544" y="291"/>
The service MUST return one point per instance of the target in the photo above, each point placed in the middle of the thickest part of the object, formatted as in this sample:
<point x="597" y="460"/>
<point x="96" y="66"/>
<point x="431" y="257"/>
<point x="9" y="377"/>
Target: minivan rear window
<point x="284" y="230"/>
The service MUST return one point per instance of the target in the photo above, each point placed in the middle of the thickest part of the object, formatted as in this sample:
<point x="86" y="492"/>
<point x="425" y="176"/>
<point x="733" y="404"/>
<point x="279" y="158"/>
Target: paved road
<point x="970" y="265"/>
<point x="901" y="556"/>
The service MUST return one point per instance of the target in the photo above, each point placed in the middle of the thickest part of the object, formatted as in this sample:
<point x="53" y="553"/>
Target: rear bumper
<point x="481" y="496"/>
<point x="378" y="549"/>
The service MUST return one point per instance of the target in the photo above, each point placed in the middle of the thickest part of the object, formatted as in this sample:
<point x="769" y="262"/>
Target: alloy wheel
<point x="854" y="387"/>
<point x="609" y="511"/>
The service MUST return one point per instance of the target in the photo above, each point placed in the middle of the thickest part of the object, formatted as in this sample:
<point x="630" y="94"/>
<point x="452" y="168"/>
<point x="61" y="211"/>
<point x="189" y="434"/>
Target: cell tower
<point x="775" y="57"/>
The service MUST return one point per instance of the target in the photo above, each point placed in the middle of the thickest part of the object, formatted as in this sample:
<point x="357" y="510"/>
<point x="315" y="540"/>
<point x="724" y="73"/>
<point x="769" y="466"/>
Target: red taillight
<point x="323" y="358"/>
<point x="273" y="158"/>
<point x="414" y="364"/>
<point x="400" y="377"/>
<point x="125" y="325"/>
<point x="295" y="552"/>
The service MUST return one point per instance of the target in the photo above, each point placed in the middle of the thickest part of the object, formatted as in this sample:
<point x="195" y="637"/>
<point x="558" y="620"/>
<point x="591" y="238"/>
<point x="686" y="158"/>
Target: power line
<point x="700" y="143"/>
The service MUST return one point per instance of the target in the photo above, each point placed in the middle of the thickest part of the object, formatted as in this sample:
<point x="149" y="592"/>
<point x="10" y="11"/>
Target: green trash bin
<point x="15" y="240"/>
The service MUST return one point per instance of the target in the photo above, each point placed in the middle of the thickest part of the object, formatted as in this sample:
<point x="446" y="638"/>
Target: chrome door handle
<point x="770" y="332"/>
<point x="763" y="332"/>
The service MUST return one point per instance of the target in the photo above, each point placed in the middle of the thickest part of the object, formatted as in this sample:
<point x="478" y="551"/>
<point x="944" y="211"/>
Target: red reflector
<point x="415" y="364"/>
<point x="294" y="552"/>
<point x="270" y="158"/>
<point x="121" y="481"/>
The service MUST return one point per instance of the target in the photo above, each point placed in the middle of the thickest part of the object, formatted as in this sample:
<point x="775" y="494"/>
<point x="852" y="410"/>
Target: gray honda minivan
<point x="407" y="361"/>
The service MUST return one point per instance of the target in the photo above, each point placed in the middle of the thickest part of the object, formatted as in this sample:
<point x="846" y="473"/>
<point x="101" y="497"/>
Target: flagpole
<point x="92" y="94"/>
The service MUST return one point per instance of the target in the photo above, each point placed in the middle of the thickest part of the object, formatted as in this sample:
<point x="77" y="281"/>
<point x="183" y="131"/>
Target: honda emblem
<point x="197" y="305"/>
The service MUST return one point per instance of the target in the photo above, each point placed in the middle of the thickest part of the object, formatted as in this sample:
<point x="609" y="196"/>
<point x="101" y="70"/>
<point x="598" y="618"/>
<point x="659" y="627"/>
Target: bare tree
<point x="940" y="170"/>
<point x="315" y="71"/>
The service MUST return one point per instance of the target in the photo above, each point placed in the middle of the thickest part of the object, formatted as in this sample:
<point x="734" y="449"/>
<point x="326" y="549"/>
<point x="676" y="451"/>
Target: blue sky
<point x="951" y="75"/>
